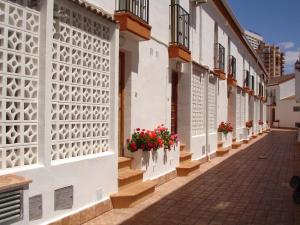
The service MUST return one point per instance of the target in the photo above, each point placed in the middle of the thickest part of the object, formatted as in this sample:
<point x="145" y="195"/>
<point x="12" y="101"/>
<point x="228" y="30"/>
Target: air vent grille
<point x="11" y="206"/>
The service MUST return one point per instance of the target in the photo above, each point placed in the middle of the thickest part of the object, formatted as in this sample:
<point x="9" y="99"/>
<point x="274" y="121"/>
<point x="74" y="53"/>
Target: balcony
<point x="133" y="17"/>
<point x="220" y="61"/>
<point x="179" y="47"/>
<point x="246" y="87"/>
<point x="231" y="78"/>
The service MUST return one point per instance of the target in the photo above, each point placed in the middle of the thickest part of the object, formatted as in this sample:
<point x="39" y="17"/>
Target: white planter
<point x="225" y="138"/>
<point x="260" y="128"/>
<point x="248" y="133"/>
<point x="155" y="163"/>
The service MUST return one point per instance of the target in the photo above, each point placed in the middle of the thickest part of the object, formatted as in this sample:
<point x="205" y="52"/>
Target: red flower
<point x="133" y="146"/>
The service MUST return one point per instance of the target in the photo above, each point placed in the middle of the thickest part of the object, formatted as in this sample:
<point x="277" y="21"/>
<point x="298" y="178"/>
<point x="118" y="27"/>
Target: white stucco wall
<point x="285" y="114"/>
<point x="287" y="89"/>
<point x="297" y="85"/>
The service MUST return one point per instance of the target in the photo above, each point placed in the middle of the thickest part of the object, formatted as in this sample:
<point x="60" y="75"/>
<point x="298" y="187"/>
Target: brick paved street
<point x="250" y="186"/>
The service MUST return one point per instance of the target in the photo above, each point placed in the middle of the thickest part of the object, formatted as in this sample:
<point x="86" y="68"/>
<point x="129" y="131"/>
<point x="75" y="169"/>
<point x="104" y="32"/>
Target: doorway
<point x="121" y="103"/>
<point x="273" y="117"/>
<point x="174" y="103"/>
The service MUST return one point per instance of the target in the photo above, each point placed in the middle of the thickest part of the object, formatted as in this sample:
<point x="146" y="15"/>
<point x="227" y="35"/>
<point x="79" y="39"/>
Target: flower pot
<point x="249" y="132"/>
<point x="155" y="163"/>
<point x="226" y="138"/>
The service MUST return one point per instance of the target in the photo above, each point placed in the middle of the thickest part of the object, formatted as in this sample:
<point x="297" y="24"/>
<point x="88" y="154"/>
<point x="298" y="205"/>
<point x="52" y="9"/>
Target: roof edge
<point x="240" y="31"/>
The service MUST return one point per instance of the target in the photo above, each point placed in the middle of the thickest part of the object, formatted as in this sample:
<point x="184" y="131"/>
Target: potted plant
<point x="156" y="152"/>
<point x="225" y="127"/>
<point x="261" y="124"/>
<point x="249" y="126"/>
<point x="225" y="133"/>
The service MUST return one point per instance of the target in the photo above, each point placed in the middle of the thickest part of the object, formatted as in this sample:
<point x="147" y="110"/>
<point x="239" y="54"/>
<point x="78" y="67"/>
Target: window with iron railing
<point x="232" y="66"/>
<point x="219" y="57"/>
<point x="180" y="26"/>
<point x="247" y="78"/>
<point x="252" y="82"/>
<point x="139" y="8"/>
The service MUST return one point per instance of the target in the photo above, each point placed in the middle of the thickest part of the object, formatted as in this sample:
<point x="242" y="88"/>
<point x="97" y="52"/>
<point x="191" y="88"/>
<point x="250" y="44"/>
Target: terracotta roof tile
<point x="281" y="79"/>
<point x="95" y="9"/>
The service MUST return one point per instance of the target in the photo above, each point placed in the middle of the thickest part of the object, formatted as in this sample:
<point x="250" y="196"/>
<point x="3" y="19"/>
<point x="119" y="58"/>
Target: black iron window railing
<point x="247" y="78"/>
<point x="259" y="89"/>
<point x="232" y="66"/>
<point x="252" y="82"/>
<point x="180" y="26"/>
<point x="139" y="8"/>
<point x="219" y="57"/>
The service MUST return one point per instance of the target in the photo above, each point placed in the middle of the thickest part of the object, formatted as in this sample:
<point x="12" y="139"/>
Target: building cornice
<point x="225" y="10"/>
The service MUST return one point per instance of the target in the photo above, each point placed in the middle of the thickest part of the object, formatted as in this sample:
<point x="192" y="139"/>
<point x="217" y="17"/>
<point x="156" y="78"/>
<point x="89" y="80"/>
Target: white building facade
<point x="78" y="77"/>
<point x="283" y="108"/>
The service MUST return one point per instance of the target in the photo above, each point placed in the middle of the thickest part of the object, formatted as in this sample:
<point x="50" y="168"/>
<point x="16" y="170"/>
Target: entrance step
<point x="223" y="151"/>
<point x="220" y="144"/>
<point x="236" y="145"/>
<point x="130" y="196"/>
<point x="187" y="167"/>
<point x="234" y="139"/>
<point x="254" y="135"/>
<point x="128" y="177"/>
<point x="246" y="141"/>
<point x="124" y="162"/>
<point x="185" y="156"/>
<point x="182" y="147"/>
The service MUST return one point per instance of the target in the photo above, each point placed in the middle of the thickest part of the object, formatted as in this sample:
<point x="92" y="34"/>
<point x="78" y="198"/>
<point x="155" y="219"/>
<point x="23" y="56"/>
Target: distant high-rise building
<point x="272" y="58"/>
<point x="254" y="39"/>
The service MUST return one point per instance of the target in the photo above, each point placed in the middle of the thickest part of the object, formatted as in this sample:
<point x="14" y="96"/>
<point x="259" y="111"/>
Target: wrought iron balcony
<point x="180" y="34"/>
<point x="232" y="67"/>
<point x="219" y="57"/>
<point x="139" y="8"/>
<point x="180" y="26"/>
<point x="133" y="16"/>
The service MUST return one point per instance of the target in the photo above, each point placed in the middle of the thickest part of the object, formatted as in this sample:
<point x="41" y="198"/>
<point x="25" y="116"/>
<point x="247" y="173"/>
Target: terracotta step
<point x="236" y="144"/>
<point x="220" y="144"/>
<point x="246" y="141"/>
<point x="185" y="168"/>
<point x="182" y="147"/>
<point x="128" y="177"/>
<point x="233" y="139"/>
<point x="254" y="135"/>
<point x="185" y="156"/>
<point x="223" y="151"/>
<point x="133" y="195"/>
<point x="124" y="162"/>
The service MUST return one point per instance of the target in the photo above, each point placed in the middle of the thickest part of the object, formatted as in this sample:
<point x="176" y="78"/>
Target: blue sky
<point x="277" y="21"/>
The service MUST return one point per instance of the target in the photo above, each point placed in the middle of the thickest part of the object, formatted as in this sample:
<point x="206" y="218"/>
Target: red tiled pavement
<point x="242" y="189"/>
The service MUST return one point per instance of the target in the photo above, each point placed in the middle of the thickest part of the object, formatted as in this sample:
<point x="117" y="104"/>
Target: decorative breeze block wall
<point x="19" y="78"/>
<point x="198" y="103"/>
<point x="243" y="109"/>
<point x="212" y="104"/>
<point x="80" y="83"/>
<point x="238" y="108"/>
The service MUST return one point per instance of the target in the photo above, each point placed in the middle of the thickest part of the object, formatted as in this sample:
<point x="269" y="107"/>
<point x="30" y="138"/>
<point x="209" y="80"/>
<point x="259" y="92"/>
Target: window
<point x="296" y="108"/>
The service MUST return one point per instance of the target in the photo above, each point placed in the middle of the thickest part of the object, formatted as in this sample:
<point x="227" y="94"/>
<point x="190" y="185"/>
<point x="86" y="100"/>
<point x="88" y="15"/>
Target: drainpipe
<point x="206" y="115"/>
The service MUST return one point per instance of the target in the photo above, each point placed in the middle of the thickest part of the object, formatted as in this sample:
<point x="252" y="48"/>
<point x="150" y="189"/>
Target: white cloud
<point x="290" y="58"/>
<point x="287" y="45"/>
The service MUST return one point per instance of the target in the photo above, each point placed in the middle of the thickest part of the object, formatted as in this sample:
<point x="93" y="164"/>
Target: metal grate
<point x="180" y="26"/>
<point x="11" y="206"/>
